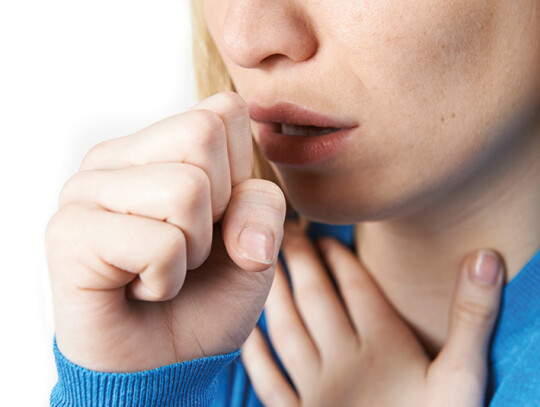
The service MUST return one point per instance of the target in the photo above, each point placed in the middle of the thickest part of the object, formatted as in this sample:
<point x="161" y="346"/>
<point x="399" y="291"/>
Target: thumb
<point x="462" y="363"/>
<point x="253" y="224"/>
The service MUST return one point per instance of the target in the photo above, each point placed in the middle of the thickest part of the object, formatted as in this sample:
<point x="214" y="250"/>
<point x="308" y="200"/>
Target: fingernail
<point x="256" y="244"/>
<point x="486" y="269"/>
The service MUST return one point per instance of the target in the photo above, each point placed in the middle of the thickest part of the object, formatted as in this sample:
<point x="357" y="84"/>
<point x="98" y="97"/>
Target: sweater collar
<point x="520" y="311"/>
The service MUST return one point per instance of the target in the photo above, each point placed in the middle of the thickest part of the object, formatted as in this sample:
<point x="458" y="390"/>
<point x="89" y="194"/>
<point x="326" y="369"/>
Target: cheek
<point x="426" y="56"/>
<point x="448" y="79"/>
<point x="426" y="72"/>
<point x="421" y="66"/>
<point x="447" y="45"/>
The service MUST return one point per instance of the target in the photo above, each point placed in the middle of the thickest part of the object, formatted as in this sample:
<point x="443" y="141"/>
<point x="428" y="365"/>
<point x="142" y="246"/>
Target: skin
<point x="344" y="345"/>
<point x="162" y="239"/>
<point x="446" y="95"/>
<point x="136" y="225"/>
<point x="129" y="249"/>
<point x="402" y="69"/>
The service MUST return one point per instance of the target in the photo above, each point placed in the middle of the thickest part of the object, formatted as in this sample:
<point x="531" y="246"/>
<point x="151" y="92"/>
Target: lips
<point x="292" y="135"/>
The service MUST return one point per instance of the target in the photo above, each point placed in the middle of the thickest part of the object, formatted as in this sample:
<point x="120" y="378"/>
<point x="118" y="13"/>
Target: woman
<point x="414" y="121"/>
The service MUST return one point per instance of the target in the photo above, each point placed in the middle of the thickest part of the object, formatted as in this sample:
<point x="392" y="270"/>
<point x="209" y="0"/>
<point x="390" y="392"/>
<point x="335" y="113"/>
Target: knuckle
<point x="463" y="369"/>
<point x="172" y="263"/>
<point x="174" y="245"/>
<point x="196" y="187"/>
<point x="172" y="250"/>
<point x="474" y="313"/>
<point x="67" y="191"/>
<point x="210" y="128"/>
<point x="59" y="232"/>
<point x="164" y="291"/>
<point x="232" y="101"/>
<point x="188" y="187"/>
<point x="262" y="191"/>
<point x="460" y="367"/>
<point x="274" y="194"/>
<point x="57" y="227"/>
<point x="54" y="232"/>
<point x="92" y="158"/>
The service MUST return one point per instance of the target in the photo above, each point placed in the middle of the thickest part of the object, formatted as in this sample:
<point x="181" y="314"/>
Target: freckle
<point x="443" y="46"/>
<point x="453" y="115"/>
<point x="442" y="119"/>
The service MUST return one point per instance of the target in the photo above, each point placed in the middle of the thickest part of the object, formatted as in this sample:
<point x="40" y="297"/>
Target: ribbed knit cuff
<point x="190" y="383"/>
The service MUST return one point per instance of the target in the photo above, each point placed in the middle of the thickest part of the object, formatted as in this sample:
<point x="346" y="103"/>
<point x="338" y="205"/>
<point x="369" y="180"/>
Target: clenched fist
<point x="163" y="248"/>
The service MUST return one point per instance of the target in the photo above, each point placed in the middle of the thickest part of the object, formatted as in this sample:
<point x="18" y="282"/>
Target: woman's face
<point x="425" y="93"/>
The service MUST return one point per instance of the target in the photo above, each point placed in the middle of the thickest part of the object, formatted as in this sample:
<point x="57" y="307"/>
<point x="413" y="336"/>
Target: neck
<point x="415" y="259"/>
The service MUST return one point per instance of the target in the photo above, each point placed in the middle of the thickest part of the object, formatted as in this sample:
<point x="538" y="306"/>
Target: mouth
<point x="305" y="131"/>
<point x="292" y="135"/>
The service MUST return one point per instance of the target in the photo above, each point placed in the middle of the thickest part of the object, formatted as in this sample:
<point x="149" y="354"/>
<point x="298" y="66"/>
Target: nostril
<point x="272" y="59"/>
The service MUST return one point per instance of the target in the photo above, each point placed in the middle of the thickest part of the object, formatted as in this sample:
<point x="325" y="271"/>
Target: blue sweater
<point x="514" y="364"/>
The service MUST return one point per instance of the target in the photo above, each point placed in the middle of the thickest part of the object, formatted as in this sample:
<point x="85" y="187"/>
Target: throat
<point x="418" y="286"/>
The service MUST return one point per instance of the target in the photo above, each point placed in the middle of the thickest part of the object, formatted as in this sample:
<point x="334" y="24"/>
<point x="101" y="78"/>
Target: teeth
<point x="295" y="130"/>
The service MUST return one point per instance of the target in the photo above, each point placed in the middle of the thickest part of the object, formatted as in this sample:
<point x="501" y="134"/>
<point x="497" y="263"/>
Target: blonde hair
<point x="212" y="77"/>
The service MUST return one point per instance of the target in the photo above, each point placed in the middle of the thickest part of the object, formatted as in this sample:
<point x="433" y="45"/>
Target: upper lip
<point x="291" y="114"/>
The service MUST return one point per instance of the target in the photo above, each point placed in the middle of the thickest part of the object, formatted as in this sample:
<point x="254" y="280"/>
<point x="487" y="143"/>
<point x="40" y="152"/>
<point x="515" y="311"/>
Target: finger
<point x="253" y="224"/>
<point x="365" y="304"/>
<point x="196" y="137"/>
<point x="289" y="336"/>
<point x="463" y="359"/>
<point x="119" y="250"/>
<point x="176" y="193"/>
<point x="268" y="381"/>
<point x="233" y="111"/>
<point x="315" y="296"/>
<point x="475" y="305"/>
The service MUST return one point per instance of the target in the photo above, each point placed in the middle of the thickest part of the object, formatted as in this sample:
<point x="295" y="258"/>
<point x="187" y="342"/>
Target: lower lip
<point x="301" y="150"/>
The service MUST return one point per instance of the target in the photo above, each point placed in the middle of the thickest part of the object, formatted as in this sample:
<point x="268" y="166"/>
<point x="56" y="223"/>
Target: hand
<point x="351" y="349"/>
<point x="163" y="249"/>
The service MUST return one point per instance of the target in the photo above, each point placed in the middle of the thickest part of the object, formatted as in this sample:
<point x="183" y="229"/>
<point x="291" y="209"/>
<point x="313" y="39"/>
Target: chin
<point x="341" y="213"/>
<point x="340" y="208"/>
<point x="342" y="201"/>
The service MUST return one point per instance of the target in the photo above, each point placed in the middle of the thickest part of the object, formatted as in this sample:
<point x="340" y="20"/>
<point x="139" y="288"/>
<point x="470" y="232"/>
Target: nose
<point x="255" y="32"/>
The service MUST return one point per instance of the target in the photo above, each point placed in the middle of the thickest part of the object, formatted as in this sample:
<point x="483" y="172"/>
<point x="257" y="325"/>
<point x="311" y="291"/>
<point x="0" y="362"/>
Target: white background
<point x="72" y="74"/>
